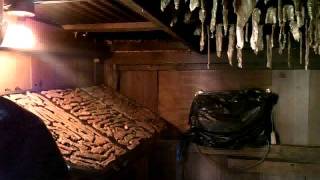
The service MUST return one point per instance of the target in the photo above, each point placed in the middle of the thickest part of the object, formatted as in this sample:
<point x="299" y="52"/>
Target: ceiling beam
<point x="141" y="11"/>
<point x="113" y="27"/>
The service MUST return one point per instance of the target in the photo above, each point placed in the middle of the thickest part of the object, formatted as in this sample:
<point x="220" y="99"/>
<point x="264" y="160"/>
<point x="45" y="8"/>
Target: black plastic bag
<point x="231" y="119"/>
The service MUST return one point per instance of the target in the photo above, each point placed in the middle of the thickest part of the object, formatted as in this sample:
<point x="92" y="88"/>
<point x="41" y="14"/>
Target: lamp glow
<point x="18" y="36"/>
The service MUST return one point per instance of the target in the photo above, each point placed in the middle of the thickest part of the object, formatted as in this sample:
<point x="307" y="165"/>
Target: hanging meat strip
<point x="231" y="43"/>
<point x="306" y="58"/>
<point x="187" y="17"/>
<point x="255" y="29"/>
<point x="243" y="10"/>
<point x="213" y="16"/>
<point x="282" y="35"/>
<point x="298" y="12"/>
<point x="174" y="21"/>
<point x="209" y="48"/>
<point x="202" y="17"/>
<point x="247" y="33"/>
<point x="193" y="4"/>
<point x="225" y="13"/>
<point x="219" y="38"/>
<point x="269" y="52"/>
<point x="176" y="4"/>
<point x="301" y="49"/>
<point x="289" y="50"/>
<point x="260" y="45"/>
<point x="164" y="4"/>
<point x="271" y="18"/>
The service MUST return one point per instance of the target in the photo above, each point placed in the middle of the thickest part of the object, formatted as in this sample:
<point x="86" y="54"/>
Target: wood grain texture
<point x="275" y="167"/>
<point x="53" y="71"/>
<point x="177" y="89"/>
<point x="291" y="112"/>
<point x="140" y="86"/>
<point x="15" y="71"/>
<point x="314" y="112"/>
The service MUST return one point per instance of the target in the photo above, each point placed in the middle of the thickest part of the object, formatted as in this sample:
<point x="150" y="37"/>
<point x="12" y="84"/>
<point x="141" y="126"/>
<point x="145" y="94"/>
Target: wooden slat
<point x="294" y="154"/>
<point x="112" y="10"/>
<point x="272" y="167"/>
<point x="102" y="12"/>
<point x="112" y="27"/>
<point x="138" y="9"/>
<point x="141" y="87"/>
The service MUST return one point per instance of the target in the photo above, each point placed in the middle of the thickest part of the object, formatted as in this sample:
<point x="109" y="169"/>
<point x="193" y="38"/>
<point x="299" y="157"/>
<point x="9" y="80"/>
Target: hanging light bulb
<point x="21" y="8"/>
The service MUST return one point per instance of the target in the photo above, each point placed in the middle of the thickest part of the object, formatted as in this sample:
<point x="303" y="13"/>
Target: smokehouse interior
<point x="159" y="90"/>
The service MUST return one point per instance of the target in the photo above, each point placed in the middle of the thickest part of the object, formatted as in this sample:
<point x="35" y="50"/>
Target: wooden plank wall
<point x="179" y="74"/>
<point x="52" y="63"/>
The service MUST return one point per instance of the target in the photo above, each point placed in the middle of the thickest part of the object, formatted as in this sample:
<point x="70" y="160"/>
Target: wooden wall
<point x="52" y="63"/>
<point x="175" y="75"/>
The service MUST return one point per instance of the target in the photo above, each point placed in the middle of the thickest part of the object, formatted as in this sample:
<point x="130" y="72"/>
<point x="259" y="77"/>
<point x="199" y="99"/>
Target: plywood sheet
<point x="140" y="86"/>
<point x="291" y="112"/>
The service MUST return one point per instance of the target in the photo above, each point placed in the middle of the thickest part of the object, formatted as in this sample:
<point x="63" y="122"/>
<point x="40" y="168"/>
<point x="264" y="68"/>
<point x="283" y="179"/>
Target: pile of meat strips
<point x="92" y="126"/>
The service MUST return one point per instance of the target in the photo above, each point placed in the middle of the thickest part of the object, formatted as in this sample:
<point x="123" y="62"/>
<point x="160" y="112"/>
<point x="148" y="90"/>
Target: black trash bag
<point x="231" y="119"/>
<point x="27" y="149"/>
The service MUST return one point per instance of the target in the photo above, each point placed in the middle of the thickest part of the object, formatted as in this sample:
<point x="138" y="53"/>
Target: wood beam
<point x="141" y="11"/>
<point x="113" y="27"/>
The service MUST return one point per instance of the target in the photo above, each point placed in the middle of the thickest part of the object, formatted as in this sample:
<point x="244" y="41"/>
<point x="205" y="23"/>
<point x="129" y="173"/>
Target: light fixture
<point x="18" y="36"/>
<point x="21" y="8"/>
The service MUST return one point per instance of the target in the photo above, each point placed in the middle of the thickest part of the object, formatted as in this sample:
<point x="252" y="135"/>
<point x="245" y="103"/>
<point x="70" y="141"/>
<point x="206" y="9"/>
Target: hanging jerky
<point x="164" y="4"/>
<point x="174" y="21"/>
<point x="266" y="1"/>
<point x="213" y="16"/>
<point x="294" y="28"/>
<point x="282" y="39"/>
<point x="301" y="49"/>
<point x="311" y="14"/>
<point x="282" y="36"/>
<point x="193" y="4"/>
<point x="306" y="58"/>
<point x="310" y="10"/>
<point x="197" y="31"/>
<point x="298" y="12"/>
<point x="202" y="17"/>
<point x="209" y="49"/>
<point x="316" y="30"/>
<point x="269" y="52"/>
<point x="225" y="13"/>
<point x="239" y="57"/>
<point x="187" y="17"/>
<point x="240" y="43"/>
<point x="289" y="50"/>
<point x="243" y="10"/>
<point x="288" y="13"/>
<point x="280" y="16"/>
<point x="255" y="29"/>
<point x="247" y="33"/>
<point x="288" y="16"/>
<point x="202" y="38"/>
<point x="231" y="43"/>
<point x="219" y="38"/>
<point x="176" y="4"/>
<point x="260" y="45"/>
<point x="271" y="18"/>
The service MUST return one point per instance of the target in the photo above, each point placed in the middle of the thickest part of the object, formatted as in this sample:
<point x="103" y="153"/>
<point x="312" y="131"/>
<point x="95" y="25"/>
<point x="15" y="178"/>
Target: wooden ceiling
<point x="100" y="16"/>
<point x="85" y="12"/>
